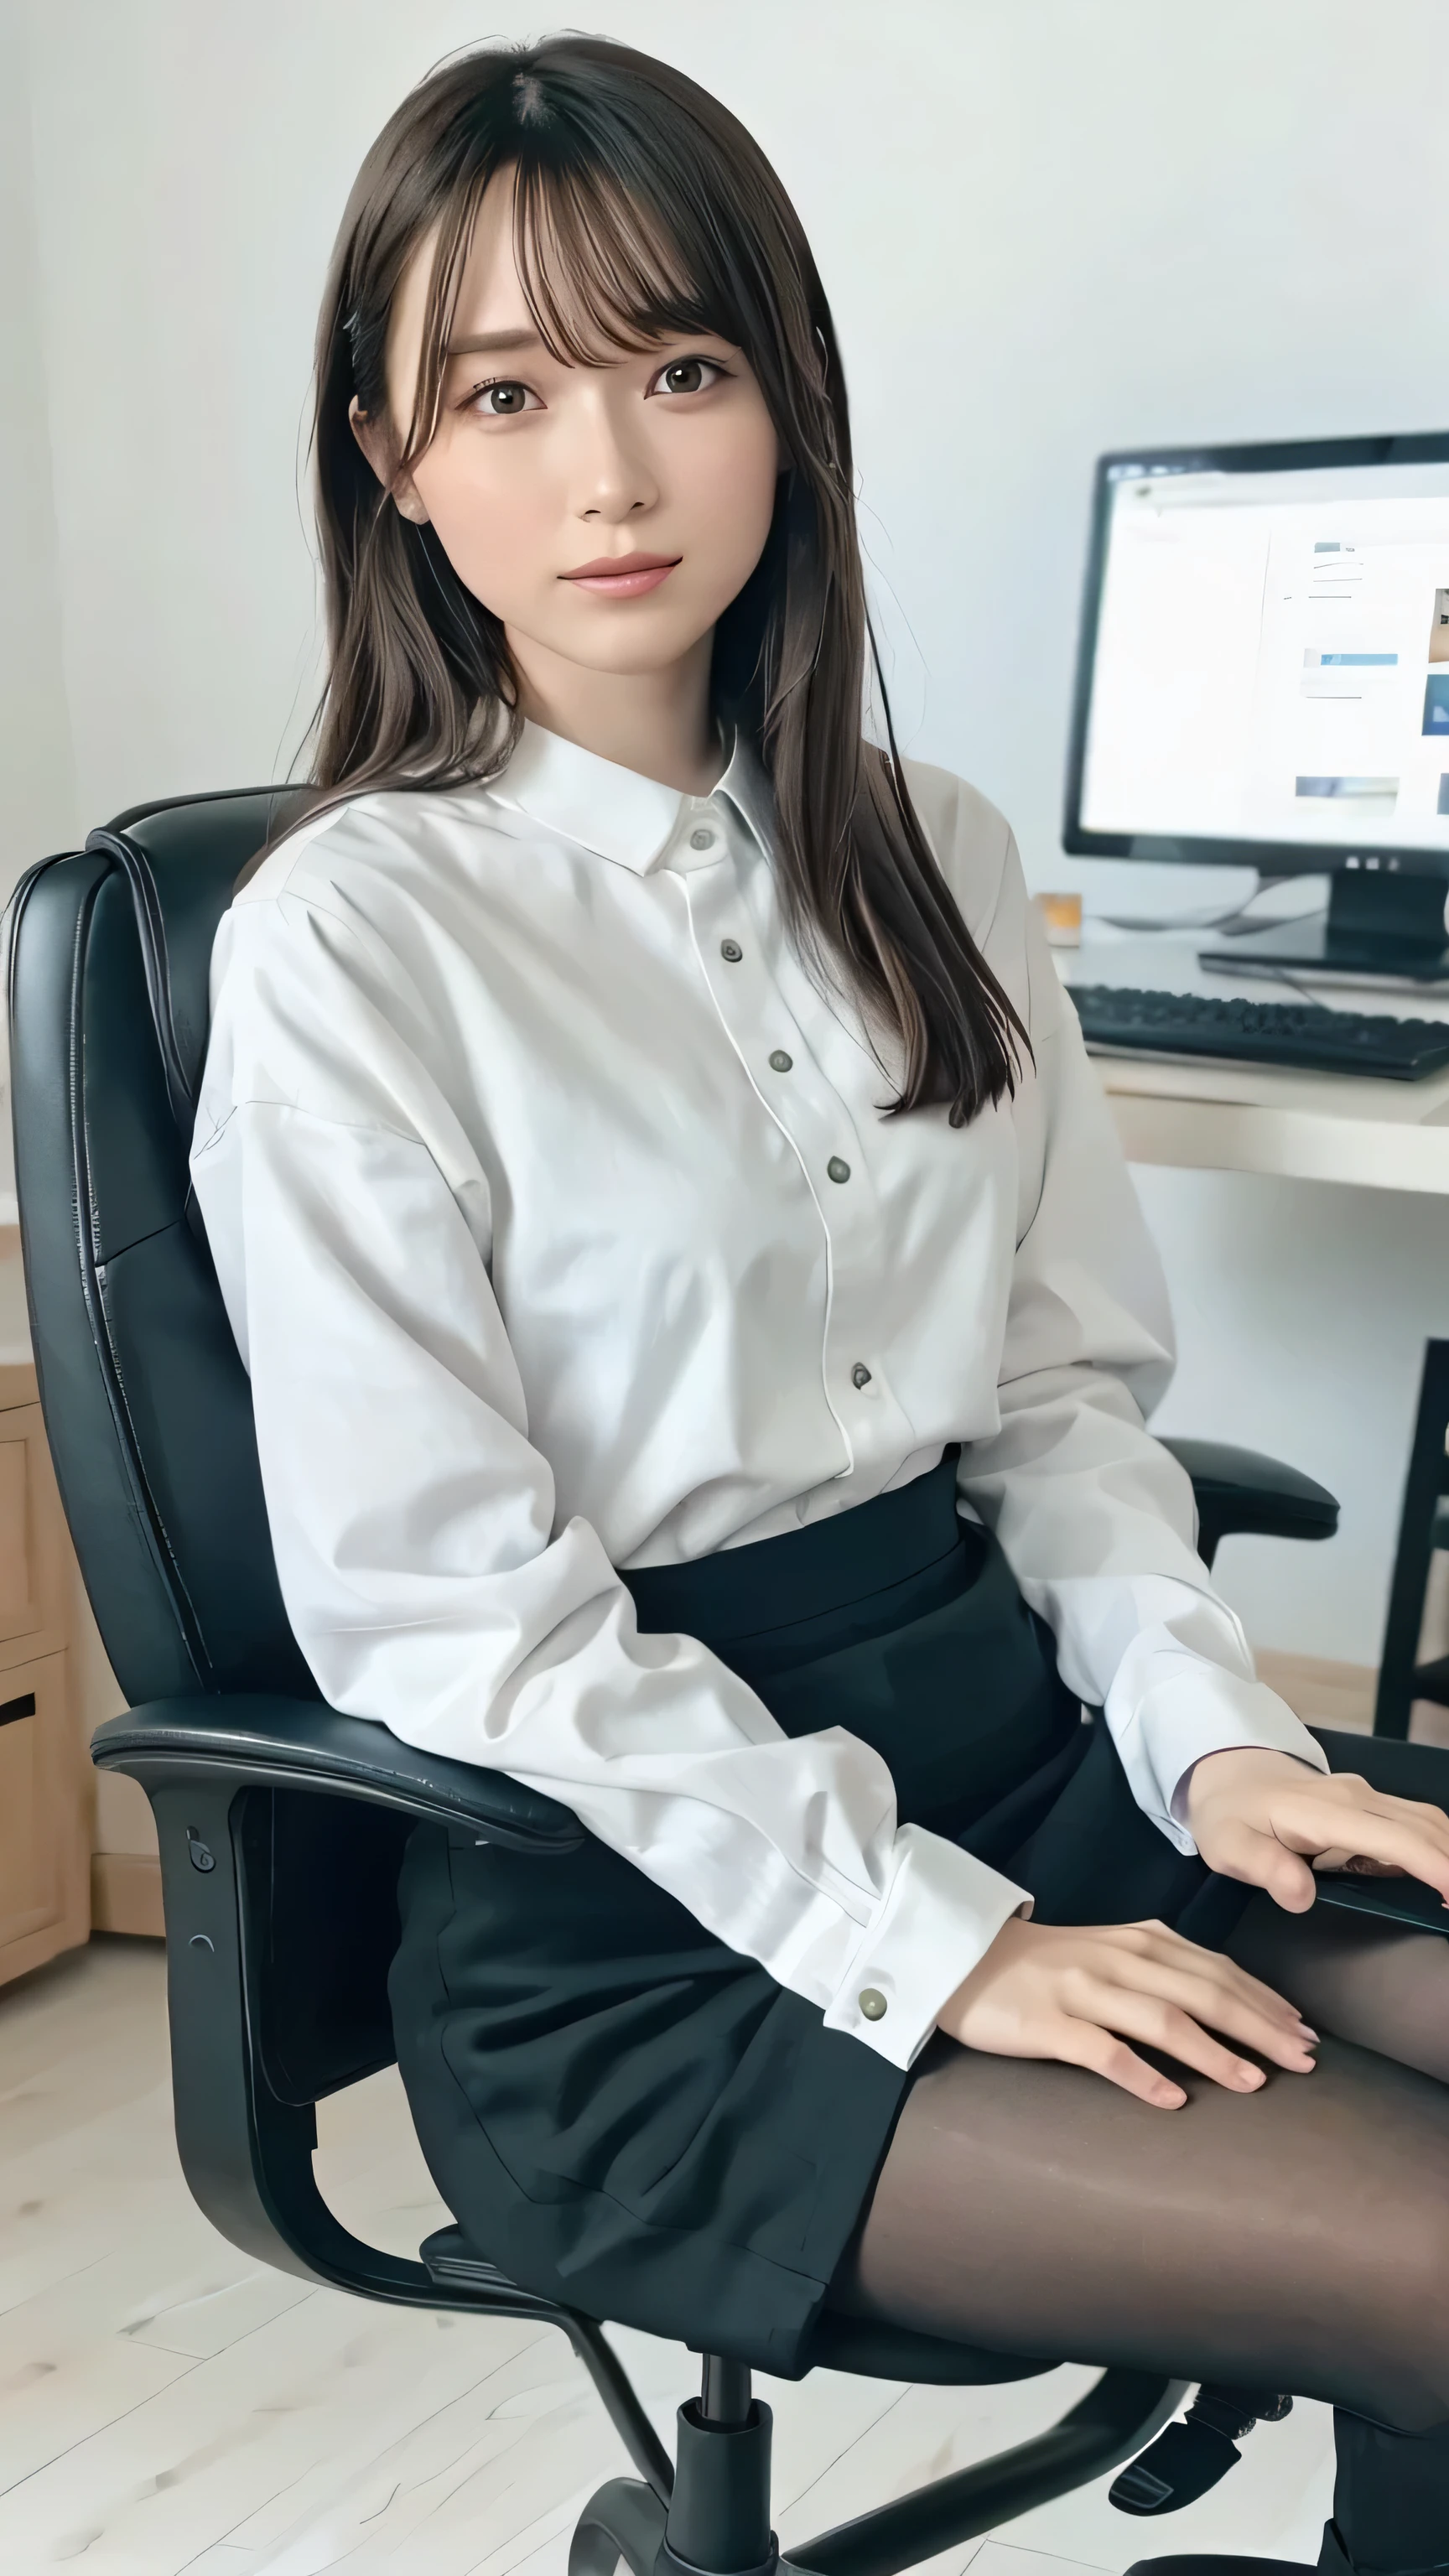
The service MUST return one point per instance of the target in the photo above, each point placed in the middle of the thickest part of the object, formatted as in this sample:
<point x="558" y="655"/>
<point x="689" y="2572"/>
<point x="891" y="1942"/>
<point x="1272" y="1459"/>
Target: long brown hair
<point x="642" y="208"/>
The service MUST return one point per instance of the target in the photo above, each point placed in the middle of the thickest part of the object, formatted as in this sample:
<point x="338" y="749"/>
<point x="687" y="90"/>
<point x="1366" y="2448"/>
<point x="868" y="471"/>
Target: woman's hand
<point x="1083" y="1995"/>
<point x="1263" y="1817"/>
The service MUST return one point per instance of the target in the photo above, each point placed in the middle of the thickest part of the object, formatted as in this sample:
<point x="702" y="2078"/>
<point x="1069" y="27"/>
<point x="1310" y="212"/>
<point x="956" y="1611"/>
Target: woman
<point x="655" y="1178"/>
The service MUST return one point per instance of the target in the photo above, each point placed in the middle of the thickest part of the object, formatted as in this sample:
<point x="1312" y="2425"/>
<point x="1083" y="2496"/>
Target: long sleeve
<point x="1096" y="1518"/>
<point x="414" y="1520"/>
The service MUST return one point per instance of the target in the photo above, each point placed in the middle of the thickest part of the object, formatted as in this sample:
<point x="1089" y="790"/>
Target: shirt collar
<point x="615" y="812"/>
<point x="747" y="785"/>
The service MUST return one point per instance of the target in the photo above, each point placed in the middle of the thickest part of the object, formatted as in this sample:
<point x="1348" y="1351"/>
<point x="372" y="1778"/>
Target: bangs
<point x="603" y="271"/>
<point x="614" y="253"/>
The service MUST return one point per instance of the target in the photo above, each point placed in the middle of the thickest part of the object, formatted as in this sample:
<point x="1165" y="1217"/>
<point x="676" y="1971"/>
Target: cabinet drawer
<point x="44" y="1821"/>
<point x="32" y="1609"/>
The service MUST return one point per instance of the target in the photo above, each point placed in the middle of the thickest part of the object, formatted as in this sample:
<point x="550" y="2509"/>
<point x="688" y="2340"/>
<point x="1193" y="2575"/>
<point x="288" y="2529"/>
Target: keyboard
<point x="1237" y="1031"/>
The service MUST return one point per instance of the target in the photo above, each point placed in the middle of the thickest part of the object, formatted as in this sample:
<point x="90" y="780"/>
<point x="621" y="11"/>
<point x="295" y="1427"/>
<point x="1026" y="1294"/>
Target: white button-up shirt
<point x="560" y="1230"/>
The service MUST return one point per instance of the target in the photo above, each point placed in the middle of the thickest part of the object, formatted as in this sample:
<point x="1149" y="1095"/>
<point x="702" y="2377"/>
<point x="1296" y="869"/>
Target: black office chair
<point x="281" y="1822"/>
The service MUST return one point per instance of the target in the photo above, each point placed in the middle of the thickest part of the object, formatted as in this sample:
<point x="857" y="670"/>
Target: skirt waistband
<point x="805" y="1574"/>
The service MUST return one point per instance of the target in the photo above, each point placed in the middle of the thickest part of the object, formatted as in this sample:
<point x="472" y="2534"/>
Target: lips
<point x="622" y="576"/>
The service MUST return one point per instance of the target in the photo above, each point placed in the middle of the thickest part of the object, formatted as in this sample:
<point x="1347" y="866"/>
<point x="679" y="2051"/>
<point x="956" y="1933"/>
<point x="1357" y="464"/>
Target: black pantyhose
<point x="1296" y="2238"/>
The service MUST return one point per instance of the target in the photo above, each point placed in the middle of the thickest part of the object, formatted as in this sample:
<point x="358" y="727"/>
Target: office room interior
<point x="1051" y="231"/>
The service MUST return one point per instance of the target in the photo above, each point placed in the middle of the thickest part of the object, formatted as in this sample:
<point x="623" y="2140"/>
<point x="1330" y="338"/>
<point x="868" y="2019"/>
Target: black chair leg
<point x="1422" y="1489"/>
<point x="716" y="2521"/>
<point x="1113" y="2420"/>
<point x="623" y="2521"/>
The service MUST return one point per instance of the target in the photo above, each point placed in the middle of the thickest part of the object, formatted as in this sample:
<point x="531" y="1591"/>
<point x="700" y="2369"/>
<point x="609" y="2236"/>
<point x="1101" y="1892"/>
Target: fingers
<point x="1157" y="2023"/>
<point x="1341" y="1857"/>
<point x="1238" y="1850"/>
<point x="1192" y="1959"/>
<point x="1344" y="1812"/>
<point x="1228" y="2004"/>
<point x="1086" y="1996"/>
<point x="1263" y="1827"/>
<point x="1082" y="2043"/>
<point x="1387" y="1830"/>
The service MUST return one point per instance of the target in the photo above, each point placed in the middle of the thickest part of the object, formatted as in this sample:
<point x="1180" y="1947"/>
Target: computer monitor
<point x="1263" y="681"/>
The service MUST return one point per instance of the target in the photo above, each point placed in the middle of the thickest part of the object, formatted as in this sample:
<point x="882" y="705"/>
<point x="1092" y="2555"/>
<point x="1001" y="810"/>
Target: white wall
<point x="35" y="745"/>
<point x="35" y="749"/>
<point x="1047" y="226"/>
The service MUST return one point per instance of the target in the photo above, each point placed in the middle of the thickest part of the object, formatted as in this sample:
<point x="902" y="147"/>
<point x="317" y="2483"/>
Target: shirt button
<point x="872" y="2003"/>
<point x="860" y="1374"/>
<point x="838" y="1171"/>
<point x="780" y="1062"/>
<point x="731" y="951"/>
<point x="701" y="840"/>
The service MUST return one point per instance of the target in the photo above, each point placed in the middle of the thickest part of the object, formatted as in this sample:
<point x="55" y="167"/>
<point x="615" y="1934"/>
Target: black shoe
<point x="1333" y="2562"/>
<point x="1334" y="2559"/>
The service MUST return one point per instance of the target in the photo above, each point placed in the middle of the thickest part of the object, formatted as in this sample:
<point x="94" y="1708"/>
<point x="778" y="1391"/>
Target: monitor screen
<point x="1265" y="655"/>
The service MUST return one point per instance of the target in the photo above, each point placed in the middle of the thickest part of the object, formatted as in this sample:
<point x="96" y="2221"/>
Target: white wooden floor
<point x="165" y="2405"/>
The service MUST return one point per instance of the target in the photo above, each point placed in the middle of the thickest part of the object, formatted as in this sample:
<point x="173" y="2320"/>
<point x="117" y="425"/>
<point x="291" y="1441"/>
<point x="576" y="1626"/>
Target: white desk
<point x="1231" y="1118"/>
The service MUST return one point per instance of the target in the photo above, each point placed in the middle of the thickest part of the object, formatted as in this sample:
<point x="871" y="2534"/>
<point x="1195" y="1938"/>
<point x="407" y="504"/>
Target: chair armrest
<point x="303" y="1744"/>
<point x="1237" y="1489"/>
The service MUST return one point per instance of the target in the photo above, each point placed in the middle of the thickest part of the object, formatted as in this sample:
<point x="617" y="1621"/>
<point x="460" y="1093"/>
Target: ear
<point x="375" y="442"/>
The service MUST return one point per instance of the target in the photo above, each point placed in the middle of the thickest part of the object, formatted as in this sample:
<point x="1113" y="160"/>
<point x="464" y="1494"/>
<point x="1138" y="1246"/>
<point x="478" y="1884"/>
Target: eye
<point x="688" y="376"/>
<point x="503" y="399"/>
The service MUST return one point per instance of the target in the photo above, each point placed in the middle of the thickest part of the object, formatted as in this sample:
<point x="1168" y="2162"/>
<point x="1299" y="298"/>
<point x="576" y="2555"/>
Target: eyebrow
<point x="480" y="341"/>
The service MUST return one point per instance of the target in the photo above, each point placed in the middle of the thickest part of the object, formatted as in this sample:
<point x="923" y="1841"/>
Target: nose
<point x="613" y="477"/>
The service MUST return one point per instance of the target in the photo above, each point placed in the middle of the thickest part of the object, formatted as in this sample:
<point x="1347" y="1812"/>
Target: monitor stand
<point x="1380" y="928"/>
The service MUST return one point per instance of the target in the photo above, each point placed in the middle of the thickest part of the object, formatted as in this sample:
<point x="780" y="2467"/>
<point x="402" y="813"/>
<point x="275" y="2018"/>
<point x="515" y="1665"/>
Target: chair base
<point x="1215" y="2565"/>
<point x="716" y="2520"/>
<point x="624" y="2522"/>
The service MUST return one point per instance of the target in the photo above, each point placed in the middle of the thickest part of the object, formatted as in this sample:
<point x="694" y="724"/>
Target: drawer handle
<point x="11" y="1709"/>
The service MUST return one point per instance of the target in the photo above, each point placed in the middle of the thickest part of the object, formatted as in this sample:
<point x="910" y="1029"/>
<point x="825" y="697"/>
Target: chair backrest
<point x="147" y="1405"/>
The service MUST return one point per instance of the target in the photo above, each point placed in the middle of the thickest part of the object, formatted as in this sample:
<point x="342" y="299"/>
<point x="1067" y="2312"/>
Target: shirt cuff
<point x="942" y="1911"/>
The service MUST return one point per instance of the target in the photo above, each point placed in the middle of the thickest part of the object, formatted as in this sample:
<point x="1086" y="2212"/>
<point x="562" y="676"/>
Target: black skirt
<point x="633" y="2119"/>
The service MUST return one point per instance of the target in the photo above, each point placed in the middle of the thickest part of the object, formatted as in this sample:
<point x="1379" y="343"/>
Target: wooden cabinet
<point x="45" y="1791"/>
<point x="44" y="1842"/>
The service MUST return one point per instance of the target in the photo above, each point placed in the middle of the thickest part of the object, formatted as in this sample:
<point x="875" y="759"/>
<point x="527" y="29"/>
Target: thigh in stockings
<point x="1295" y="2238"/>
<point x="1372" y="1982"/>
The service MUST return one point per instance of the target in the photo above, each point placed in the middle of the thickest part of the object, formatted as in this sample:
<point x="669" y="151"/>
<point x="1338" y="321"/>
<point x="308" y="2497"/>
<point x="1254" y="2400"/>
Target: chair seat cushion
<point x="854" y="2344"/>
<point x="877" y="2351"/>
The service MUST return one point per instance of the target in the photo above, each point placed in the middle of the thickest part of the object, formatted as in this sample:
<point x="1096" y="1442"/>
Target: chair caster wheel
<point x="1209" y="2563"/>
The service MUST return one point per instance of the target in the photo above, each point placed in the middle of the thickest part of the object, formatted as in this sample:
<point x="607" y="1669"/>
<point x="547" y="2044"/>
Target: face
<point x="607" y="514"/>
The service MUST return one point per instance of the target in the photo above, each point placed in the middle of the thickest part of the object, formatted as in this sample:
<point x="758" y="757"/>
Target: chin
<point x="627" y="657"/>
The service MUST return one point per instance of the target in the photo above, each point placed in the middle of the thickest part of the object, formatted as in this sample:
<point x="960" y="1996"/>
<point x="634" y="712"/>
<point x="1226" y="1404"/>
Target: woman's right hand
<point x="1082" y="1995"/>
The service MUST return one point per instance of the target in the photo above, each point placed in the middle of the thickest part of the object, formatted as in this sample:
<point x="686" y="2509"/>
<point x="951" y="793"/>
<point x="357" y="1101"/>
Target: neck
<point x="657" y="723"/>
